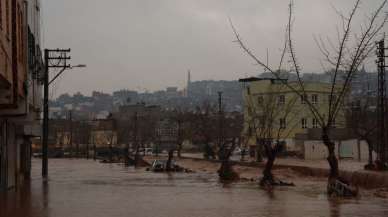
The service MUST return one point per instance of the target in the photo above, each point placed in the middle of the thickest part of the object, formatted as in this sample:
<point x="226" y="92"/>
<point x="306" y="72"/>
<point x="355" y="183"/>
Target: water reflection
<point x="30" y="200"/>
<point x="79" y="188"/>
<point x="335" y="207"/>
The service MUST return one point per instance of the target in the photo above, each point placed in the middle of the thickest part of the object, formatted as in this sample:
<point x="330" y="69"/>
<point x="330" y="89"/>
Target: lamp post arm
<point x="57" y="75"/>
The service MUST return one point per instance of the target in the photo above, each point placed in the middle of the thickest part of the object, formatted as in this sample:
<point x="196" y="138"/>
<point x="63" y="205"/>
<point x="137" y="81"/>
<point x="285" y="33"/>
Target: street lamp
<point x="61" y="56"/>
<point x="79" y="66"/>
<point x="64" y="69"/>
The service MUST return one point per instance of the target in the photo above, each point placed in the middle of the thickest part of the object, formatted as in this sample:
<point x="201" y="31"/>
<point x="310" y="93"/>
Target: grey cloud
<point x="151" y="43"/>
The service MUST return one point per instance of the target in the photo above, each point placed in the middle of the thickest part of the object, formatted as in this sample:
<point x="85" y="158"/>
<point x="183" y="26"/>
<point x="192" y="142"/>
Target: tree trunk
<point x="94" y="152"/>
<point x="169" y="160"/>
<point x="259" y="150"/>
<point x="268" y="178"/>
<point x="87" y="151"/>
<point x="332" y="159"/>
<point x="126" y="154"/>
<point x="137" y="157"/>
<point x="110" y="153"/>
<point x="267" y="173"/>
<point x="226" y="171"/>
<point x="179" y="149"/>
<point x="336" y="185"/>
<point x="144" y="150"/>
<point x="370" y="152"/>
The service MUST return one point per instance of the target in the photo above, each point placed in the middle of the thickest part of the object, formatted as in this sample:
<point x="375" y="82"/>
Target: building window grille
<point x="282" y="100"/>
<point x="304" y="123"/>
<point x="303" y="99"/>
<point x="314" y="98"/>
<point x="315" y="123"/>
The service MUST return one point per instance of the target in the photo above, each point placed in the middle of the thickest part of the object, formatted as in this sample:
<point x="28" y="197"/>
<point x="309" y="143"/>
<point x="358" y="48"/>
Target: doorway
<point x="3" y="156"/>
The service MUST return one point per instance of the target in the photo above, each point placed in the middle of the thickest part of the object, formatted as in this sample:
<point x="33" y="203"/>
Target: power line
<point x="382" y="106"/>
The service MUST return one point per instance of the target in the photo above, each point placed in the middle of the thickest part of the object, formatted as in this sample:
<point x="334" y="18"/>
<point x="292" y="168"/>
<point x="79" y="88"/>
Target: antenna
<point x="265" y="69"/>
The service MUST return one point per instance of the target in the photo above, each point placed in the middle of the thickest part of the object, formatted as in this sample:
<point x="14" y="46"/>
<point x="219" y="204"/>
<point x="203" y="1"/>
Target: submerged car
<point x="161" y="166"/>
<point x="158" y="166"/>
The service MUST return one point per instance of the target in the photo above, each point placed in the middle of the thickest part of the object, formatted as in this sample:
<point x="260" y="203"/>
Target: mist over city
<point x="193" y="108"/>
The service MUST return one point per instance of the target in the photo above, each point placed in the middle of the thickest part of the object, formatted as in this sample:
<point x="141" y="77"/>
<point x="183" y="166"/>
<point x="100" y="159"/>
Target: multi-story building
<point x="20" y="87"/>
<point x="284" y="112"/>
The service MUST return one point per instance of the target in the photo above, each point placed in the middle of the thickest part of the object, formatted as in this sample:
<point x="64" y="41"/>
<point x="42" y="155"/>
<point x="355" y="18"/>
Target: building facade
<point x="20" y="88"/>
<point x="275" y="109"/>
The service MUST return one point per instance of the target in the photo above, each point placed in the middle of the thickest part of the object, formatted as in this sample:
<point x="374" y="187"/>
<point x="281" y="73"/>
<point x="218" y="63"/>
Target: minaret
<point x="188" y="83"/>
<point x="188" y="78"/>
<point x="363" y="70"/>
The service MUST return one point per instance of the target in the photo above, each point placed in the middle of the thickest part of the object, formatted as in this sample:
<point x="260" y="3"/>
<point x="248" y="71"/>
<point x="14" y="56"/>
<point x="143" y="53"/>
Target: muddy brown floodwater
<point x="81" y="188"/>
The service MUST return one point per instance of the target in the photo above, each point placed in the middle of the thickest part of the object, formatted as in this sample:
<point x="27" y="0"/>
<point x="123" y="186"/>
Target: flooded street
<point x="81" y="188"/>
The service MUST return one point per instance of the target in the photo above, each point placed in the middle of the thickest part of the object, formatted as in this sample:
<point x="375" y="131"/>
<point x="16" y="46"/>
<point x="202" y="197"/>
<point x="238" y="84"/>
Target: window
<point x="260" y="100"/>
<point x="281" y="100"/>
<point x="1" y="14"/>
<point x="20" y="33"/>
<point x="304" y="123"/>
<point x="315" y="123"/>
<point x="303" y="99"/>
<point x="7" y="13"/>
<point x="282" y="123"/>
<point x="314" y="98"/>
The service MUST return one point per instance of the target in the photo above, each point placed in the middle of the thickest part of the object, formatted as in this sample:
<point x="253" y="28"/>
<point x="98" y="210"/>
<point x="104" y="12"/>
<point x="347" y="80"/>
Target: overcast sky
<point x="150" y="44"/>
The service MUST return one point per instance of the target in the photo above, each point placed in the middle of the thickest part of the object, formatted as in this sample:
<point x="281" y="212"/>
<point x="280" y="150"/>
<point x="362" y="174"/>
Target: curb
<point x="364" y="179"/>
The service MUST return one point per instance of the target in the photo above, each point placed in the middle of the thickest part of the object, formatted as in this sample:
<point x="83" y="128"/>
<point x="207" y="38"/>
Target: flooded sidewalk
<point x="82" y="188"/>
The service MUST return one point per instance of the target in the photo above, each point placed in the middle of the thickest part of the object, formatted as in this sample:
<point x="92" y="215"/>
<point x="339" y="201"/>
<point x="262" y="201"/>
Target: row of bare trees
<point x="347" y="54"/>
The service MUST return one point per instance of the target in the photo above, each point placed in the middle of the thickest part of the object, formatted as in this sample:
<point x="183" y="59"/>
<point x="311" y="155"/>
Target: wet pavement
<point x="81" y="188"/>
<point x="344" y="164"/>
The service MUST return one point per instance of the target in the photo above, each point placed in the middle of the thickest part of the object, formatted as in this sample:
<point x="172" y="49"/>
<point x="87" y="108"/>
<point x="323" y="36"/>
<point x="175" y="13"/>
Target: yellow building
<point x="103" y="138"/>
<point x="273" y="110"/>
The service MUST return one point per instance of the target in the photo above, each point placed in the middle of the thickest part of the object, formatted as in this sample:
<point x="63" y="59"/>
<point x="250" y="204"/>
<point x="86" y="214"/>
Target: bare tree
<point x="351" y="50"/>
<point x="143" y="133"/>
<point x="180" y="117"/>
<point x="270" y="116"/>
<point x="362" y="119"/>
<point x="204" y="128"/>
<point x="232" y="125"/>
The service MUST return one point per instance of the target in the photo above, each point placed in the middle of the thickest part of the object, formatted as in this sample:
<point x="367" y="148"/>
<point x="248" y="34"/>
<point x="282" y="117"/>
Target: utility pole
<point x="94" y="146"/>
<point x="71" y="133"/>
<point x="113" y="128"/>
<point x="179" y="134"/>
<point x="60" y="56"/>
<point x="382" y="106"/>
<point x="87" y="129"/>
<point x="220" y="121"/>
<point x="45" y="116"/>
<point x="126" y="152"/>
<point x="135" y="138"/>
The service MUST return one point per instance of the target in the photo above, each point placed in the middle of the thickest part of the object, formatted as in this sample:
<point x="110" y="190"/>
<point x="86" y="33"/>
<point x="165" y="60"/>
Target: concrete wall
<point x="348" y="149"/>
<point x="290" y="145"/>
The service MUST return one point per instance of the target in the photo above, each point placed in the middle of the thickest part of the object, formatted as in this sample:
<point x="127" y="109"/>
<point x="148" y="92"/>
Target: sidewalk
<point x="349" y="169"/>
<point x="344" y="165"/>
